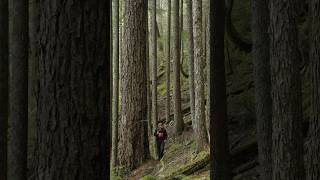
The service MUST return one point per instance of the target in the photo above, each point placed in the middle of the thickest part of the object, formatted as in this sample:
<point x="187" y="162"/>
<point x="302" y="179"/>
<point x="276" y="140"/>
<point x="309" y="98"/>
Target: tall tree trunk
<point x="149" y="93"/>
<point x="107" y="68"/>
<point x="207" y="42"/>
<point x="168" y="64"/>
<point x="260" y="38"/>
<point x="179" y="125"/>
<point x="287" y="147"/>
<point x="313" y="155"/>
<point x="18" y="121"/>
<point x="191" y="58"/>
<point x="74" y="117"/>
<point x="115" y="84"/>
<point x="219" y="145"/>
<point x="133" y="144"/>
<point x="34" y="24"/>
<point x="181" y="37"/>
<point x="4" y="74"/>
<point x="154" y="65"/>
<point x="154" y="69"/>
<point x="199" y="122"/>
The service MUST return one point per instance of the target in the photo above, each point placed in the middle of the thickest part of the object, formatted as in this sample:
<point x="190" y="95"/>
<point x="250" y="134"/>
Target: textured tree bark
<point x="18" y="98"/>
<point x="191" y="58"/>
<point x="34" y="24"/>
<point x="74" y="96"/>
<point x="149" y="94"/>
<point x="181" y="40"/>
<point x="287" y="147"/>
<point x="154" y="65"/>
<point x="154" y="70"/>
<point x="115" y="91"/>
<point x="133" y="143"/>
<point x="168" y="63"/>
<point x="219" y="144"/>
<point x="263" y="100"/>
<point x="4" y="74"/>
<point x="199" y="121"/>
<point x="313" y="155"/>
<point x="179" y="125"/>
<point x="207" y="42"/>
<point x="108" y="90"/>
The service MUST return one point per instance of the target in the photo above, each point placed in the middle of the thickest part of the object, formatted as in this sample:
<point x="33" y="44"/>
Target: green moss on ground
<point x="148" y="177"/>
<point x="180" y="161"/>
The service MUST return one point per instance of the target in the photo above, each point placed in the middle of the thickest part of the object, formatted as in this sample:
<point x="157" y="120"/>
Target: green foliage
<point x="113" y="177"/>
<point x="148" y="177"/>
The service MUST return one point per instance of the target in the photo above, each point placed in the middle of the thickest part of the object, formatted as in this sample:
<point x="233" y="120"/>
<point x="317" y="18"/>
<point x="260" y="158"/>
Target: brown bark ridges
<point x="18" y="89"/>
<point x="154" y="65"/>
<point x="313" y="155"/>
<point x="199" y="123"/>
<point x="263" y="100"/>
<point x="115" y="106"/>
<point x="287" y="137"/>
<point x="191" y="57"/>
<point x="179" y="124"/>
<point x="133" y="143"/>
<point x="73" y="98"/>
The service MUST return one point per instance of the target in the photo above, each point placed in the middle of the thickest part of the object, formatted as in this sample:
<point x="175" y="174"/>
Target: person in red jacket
<point x="161" y="136"/>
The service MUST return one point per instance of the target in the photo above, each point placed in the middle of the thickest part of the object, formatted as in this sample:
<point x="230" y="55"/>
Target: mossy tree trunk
<point x="219" y="144"/>
<point x="73" y="99"/>
<point x="133" y="143"/>
<point x="287" y="147"/>
<point x="18" y="80"/>
<point x="313" y="155"/>
<point x="263" y="100"/>
<point x="199" y="121"/>
<point x="4" y="74"/>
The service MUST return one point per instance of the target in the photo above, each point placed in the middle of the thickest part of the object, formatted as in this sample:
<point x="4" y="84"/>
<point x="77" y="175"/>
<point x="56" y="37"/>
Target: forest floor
<point x="179" y="162"/>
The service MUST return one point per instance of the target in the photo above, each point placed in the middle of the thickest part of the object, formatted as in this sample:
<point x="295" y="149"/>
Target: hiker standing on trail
<point x="161" y="136"/>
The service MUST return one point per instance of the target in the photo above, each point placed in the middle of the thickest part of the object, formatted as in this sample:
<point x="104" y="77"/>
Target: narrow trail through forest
<point x="179" y="160"/>
<point x="144" y="169"/>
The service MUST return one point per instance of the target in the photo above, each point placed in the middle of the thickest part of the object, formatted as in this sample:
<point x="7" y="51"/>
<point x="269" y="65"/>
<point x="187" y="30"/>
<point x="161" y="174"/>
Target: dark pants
<point x="160" y="149"/>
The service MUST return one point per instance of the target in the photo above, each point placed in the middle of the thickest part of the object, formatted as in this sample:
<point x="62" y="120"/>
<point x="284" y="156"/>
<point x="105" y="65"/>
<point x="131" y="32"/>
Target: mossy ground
<point x="180" y="160"/>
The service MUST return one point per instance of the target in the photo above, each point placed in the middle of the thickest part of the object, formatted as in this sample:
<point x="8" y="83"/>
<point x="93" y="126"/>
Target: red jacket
<point x="161" y="134"/>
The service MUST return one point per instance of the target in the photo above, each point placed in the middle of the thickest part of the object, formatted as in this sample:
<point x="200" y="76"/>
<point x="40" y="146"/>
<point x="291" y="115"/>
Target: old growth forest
<point x="159" y="89"/>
